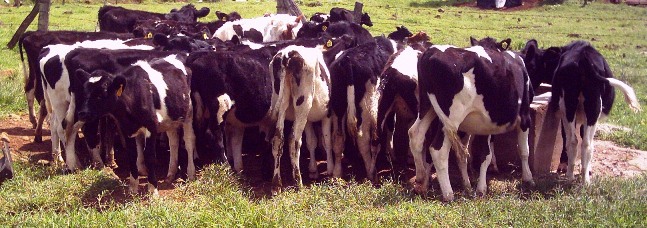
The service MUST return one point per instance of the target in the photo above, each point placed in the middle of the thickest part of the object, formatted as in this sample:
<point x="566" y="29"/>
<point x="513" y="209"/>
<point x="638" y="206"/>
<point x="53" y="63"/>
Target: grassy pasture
<point x="39" y="196"/>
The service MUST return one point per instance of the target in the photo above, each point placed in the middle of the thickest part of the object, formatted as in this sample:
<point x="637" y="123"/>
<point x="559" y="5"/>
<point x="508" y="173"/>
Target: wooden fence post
<point x="23" y="26"/>
<point x="357" y="11"/>
<point x="43" y="15"/>
<point x="288" y="7"/>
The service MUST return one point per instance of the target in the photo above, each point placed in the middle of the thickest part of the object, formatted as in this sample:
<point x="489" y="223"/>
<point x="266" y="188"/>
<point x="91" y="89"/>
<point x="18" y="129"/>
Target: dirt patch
<point x="610" y="160"/>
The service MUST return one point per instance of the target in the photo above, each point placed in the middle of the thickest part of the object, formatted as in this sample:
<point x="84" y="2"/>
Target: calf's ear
<point x="203" y="12"/>
<point x="160" y="40"/>
<point x="473" y="41"/>
<point x="117" y="86"/>
<point x="531" y="48"/>
<point x="324" y="26"/>
<point x="505" y="44"/>
<point x="82" y="74"/>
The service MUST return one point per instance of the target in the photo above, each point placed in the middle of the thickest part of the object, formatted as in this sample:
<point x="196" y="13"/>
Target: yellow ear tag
<point x="223" y="19"/>
<point x="204" y="35"/>
<point x="149" y="35"/>
<point x="323" y="28"/>
<point x="329" y="43"/>
<point x="120" y="90"/>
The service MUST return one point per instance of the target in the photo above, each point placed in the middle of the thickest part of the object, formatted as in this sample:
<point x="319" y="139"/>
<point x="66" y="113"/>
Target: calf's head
<point x="187" y="13"/>
<point x="400" y="33"/>
<point x="491" y="43"/>
<point x="540" y="64"/>
<point x="233" y="16"/>
<point x="312" y="29"/>
<point x="366" y="20"/>
<point x="101" y="91"/>
<point x="182" y="43"/>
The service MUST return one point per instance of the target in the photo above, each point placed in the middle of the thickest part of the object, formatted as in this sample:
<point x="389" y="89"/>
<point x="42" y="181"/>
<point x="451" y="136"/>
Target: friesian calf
<point x="341" y="14"/>
<point x="33" y="42"/>
<point x="59" y="101"/>
<point x="148" y="98"/>
<point x="261" y="29"/>
<point x="235" y="89"/>
<point x="314" y="30"/>
<point x="203" y="30"/>
<point x="398" y="95"/>
<point x="583" y="92"/>
<point x="354" y="75"/>
<point x="474" y="90"/>
<point x="302" y="93"/>
<point x="122" y="20"/>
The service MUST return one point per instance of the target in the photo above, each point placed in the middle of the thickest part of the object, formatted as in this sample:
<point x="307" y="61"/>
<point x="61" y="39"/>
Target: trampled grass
<point x="39" y="196"/>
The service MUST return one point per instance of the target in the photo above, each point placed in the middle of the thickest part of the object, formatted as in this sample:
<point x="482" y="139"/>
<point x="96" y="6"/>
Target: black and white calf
<point x="122" y="20"/>
<point x="314" y="30"/>
<point x="341" y="14"/>
<point x="398" y="95"/>
<point x="354" y="76"/>
<point x="262" y="29"/>
<point x="475" y="90"/>
<point x="148" y="98"/>
<point x="33" y="42"/>
<point x="583" y="92"/>
<point x="319" y="17"/>
<point x="59" y="100"/>
<point x="301" y="85"/>
<point x="235" y="90"/>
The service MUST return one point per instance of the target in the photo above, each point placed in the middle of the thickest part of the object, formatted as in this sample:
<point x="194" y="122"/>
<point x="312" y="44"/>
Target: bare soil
<point x="610" y="161"/>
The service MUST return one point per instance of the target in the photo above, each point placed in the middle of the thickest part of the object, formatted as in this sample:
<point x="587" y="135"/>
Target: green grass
<point x="619" y="32"/>
<point x="39" y="196"/>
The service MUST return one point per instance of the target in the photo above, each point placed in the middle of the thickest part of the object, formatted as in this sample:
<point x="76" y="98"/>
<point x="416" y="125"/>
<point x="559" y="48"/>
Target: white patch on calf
<point x="95" y="79"/>
<point x="142" y="131"/>
<point x="394" y="44"/>
<point x="407" y="62"/>
<point x="157" y="79"/>
<point x="225" y="104"/>
<point x="172" y="59"/>
<point x="479" y="51"/>
<point x="443" y="48"/>
<point x="512" y="54"/>
<point x="252" y="45"/>
<point x="339" y="54"/>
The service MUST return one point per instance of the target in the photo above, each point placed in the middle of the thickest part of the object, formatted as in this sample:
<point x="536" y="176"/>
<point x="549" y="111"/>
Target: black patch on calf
<point x="238" y="30"/>
<point x="53" y="70"/>
<point x="500" y="94"/>
<point x="436" y="131"/>
<point x="276" y="69"/>
<point x="449" y="74"/>
<point x="294" y="65"/>
<point x="177" y="98"/>
<point x="300" y="100"/>
<point x="253" y="35"/>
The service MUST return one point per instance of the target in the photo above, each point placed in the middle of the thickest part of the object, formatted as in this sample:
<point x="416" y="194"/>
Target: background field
<point x="40" y="196"/>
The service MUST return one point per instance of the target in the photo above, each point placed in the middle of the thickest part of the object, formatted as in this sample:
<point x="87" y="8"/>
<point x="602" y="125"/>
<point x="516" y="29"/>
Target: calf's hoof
<point x="276" y="190"/>
<point x="313" y="175"/>
<point x="112" y="165"/>
<point x="419" y="189"/>
<point x="448" y="198"/>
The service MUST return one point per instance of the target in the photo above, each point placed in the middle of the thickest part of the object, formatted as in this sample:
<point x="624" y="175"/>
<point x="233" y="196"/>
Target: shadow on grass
<point x="106" y="192"/>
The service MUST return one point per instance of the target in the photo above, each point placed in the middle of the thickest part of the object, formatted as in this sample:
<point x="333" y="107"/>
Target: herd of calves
<point x="148" y="73"/>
